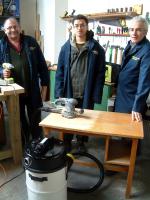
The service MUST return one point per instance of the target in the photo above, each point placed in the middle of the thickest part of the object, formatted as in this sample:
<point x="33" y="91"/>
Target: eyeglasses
<point x="139" y="30"/>
<point x="80" y="26"/>
<point x="11" y="27"/>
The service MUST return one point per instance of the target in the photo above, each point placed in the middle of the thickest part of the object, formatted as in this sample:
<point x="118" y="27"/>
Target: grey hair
<point x="139" y="19"/>
<point x="10" y="18"/>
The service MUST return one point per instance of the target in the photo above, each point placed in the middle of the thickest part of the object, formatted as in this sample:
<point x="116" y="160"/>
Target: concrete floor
<point x="113" y="187"/>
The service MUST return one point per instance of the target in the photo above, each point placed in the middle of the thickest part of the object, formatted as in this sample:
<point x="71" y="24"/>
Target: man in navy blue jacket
<point x="81" y="69"/>
<point x="134" y="78"/>
<point x="30" y="71"/>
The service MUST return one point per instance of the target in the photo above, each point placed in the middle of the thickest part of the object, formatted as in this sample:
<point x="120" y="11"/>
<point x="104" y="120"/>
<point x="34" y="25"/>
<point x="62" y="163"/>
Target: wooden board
<point x="105" y="16"/>
<point x="96" y="123"/>
<point x="12" y="88"/>
<point x="5" y="154"/>
<point x="2" y="129"/>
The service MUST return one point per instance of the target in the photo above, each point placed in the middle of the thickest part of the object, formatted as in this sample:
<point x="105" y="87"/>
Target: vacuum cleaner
<point x="47" y="165"/>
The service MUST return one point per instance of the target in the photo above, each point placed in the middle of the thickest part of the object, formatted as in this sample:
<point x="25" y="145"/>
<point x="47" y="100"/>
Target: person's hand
<point x="6" y="73"/>
<point x="136" y="116"/>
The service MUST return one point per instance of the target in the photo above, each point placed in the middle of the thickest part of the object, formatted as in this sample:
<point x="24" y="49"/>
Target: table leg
<point x="14" y="127"/>
<point x="61" y="135"/>
<point x="131" y="167"/>
<point x="46" y="131"/>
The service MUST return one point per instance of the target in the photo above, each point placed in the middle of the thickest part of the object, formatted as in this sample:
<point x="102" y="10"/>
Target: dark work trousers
<point x="30" y="118"/>
<point x="68" y="137"/>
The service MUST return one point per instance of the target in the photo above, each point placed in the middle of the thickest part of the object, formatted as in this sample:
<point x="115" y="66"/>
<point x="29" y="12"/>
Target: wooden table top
<point x="11" y="89"/>
<point x="98" y="123"/>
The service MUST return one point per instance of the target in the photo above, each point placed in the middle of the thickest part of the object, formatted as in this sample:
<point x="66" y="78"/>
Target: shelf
<point x="119" y="152"/>
<point x="5" y="154"/>
<point x="7" y="16"/>
<point x="115" y="35"/>
<point x="105" y="16"/>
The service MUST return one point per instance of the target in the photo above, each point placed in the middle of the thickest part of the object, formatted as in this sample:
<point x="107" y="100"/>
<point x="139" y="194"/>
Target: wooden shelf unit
<point x="14" y="149"/>
<point x="105" y="16"/>
<point x="117" y="154"/>
<point x="114" y="35"/>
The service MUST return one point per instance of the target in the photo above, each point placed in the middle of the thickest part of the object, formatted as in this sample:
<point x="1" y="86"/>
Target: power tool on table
<point x="8" y="66"/>
<point x="64" y="106"/>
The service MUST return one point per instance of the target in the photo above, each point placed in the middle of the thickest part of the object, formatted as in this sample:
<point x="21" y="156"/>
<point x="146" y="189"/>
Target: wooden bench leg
<point x="14" y="126"/>
<point x="106" y="148"/>
<point x="131" y="167"/>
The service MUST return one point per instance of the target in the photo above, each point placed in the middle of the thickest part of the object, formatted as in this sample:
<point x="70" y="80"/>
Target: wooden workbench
<point x="10" y="94"/>
<point x="108" y="124"/>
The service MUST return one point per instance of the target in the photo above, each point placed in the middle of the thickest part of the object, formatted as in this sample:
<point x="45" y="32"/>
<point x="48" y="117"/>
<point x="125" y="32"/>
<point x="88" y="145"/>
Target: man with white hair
<point x="134" y="78"/>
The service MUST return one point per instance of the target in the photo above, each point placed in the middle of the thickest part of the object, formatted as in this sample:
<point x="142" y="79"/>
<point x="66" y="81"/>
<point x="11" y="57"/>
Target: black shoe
<point x="81" y="147"/>
<point x="68" y="147"/>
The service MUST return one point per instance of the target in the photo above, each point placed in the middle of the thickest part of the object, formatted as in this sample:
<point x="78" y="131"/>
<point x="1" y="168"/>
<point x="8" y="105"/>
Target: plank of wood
<point x="12" y="88"/>
<point x="15" y="130"/>
<point x="5" y="154"/>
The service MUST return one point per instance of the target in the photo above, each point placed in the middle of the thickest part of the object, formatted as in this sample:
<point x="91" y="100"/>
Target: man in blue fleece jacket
<point x="81" y="70"/>
<point x="30" y="71"/>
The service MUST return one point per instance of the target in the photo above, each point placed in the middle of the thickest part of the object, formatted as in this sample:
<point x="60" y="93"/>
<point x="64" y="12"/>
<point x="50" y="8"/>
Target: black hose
<point x="101" y="174"/>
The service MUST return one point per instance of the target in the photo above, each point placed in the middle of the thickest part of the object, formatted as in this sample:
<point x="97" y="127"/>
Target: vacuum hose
<point x="99" y="166"/>
<point x="48" y="154"/>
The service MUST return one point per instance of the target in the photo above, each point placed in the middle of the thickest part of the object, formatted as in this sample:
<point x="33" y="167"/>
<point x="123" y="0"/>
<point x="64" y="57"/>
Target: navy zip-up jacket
<point x="134" y="79"/>
<point x="37" y="65"/>
<point x="95" y="75"/>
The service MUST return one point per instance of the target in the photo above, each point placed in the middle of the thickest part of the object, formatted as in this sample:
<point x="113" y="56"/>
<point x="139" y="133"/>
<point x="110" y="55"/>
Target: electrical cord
<point x="11" y="179"/>
<point x="2" y="167"/>
<point x="101" y="174"/>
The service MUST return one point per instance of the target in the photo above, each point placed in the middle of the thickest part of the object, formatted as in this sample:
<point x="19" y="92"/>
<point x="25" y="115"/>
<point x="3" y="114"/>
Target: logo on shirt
<point x="32" y="48"/>
<point x="95" y="52"/>
<point x="135" y="58"/>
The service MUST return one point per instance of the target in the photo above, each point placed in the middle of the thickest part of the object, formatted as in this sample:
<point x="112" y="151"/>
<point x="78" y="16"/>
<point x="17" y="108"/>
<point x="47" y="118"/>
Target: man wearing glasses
<point x="30" y="71"/>
<point x="81" y="71"/>
<point x="134" y="78"/>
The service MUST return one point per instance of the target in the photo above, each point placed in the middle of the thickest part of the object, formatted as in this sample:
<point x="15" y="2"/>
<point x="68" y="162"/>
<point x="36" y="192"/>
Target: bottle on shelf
<point x="114" y="54"/>
<point x="109" y="54"/>
<point x="119" y="55"/>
